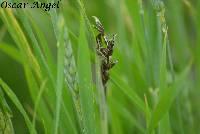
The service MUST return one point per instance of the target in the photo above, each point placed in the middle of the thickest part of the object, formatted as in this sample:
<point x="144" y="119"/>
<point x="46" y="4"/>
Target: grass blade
<point x="167" y="98"/>
<point x="11" y="51"/>
<point x="130" y="93"/>
<point x="37" y="102"/>
<point x="17" y="103"/>
<point x="85" y="82"/>
<point x="20" y="39"/>
<point x="60" y="72"/>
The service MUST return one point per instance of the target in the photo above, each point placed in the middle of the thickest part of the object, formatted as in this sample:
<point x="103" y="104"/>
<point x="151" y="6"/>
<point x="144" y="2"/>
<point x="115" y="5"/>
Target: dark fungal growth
<point x="104" y="50"/>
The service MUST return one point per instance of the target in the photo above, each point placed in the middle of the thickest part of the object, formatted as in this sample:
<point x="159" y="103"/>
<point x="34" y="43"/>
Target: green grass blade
<point x="60" y="72"/>
<point x="126" y="114"/>
<point x="164" y="126"/>
<point x="44" y="113"/>
<point x="85" y="82"/>
<point x="20" y="39"/>
<point x="4" y="106"/>
<point x="40" y="57"/>
<point x="37" y="102"/>
<point x="147" y="112"/>
<point x="44" y="44"/>
<point x="11" y="51"/>
<point x="163" y="68"/>
<point x="6" y="126"/>
<point x="17" y="103"/>
<point x="2" y="32"/>
<point x="130" y="93"/>
<point x="167" y="98"/>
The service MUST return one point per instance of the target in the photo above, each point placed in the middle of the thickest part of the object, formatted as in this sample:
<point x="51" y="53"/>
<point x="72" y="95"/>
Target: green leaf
<point x="43" y="44"/>
<point x="44" y="113"/>
<point x="19" y="37"/>
<point x="11" y="51"/>
<point x="38" y="52"/>
<point x="3" y="104"/>
<point x="167" y="97"/>
<point x="85" y="82"/>
<point x="128" y="92"/>
<point x="60" y="71"/>
<point x="126" y="114"/>
<point x="17" y="103"/>
<point x="163" y="68"/>
<point x="37" y="102"/>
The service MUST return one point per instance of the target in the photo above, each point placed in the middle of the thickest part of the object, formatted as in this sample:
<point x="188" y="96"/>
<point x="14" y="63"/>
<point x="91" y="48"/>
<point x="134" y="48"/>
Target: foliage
<point x="50" y="73"/>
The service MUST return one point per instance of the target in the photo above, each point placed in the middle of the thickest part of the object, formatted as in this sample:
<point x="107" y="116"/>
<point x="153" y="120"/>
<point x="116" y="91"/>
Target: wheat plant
<point x="51" y="76"/>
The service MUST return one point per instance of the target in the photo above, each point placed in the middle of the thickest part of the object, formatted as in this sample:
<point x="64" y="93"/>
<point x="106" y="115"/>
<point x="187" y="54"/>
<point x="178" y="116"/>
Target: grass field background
<point x="50" y="79"/>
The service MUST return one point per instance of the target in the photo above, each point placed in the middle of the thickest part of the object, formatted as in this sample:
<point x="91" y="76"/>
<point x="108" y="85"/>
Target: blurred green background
<point x="158" y="49"/>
